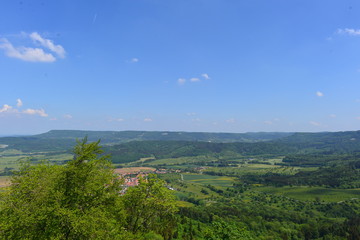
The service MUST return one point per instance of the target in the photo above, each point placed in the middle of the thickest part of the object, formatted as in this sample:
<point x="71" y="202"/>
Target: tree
<point x="150" y="207"/>
<point x="79" y="200"/>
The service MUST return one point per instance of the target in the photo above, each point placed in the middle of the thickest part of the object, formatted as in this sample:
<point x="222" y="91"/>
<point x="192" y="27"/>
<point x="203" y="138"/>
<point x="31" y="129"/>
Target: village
<point x="132" y="175"/>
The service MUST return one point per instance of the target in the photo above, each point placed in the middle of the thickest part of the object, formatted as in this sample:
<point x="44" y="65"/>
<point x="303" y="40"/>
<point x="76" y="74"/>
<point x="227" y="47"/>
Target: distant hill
<point x="299" y="143"/>
<point x="57" y="140"/>
<point x="126" y="136"/>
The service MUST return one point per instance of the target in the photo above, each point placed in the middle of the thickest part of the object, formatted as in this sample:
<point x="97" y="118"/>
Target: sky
<point x="182" y="65"/>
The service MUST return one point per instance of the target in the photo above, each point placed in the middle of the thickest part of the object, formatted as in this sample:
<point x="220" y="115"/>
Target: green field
<point x="244" y="169"/>
<point x="220" y="181"/>
<point x="305" y="193"/>
<point x="12" y="158"/>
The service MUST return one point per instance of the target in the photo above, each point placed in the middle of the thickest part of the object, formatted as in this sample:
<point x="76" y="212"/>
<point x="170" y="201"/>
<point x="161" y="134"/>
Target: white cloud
<point x="19" y="103"/>
<point x="148" y="120"/>
<point x="206" y="76"/>
<point x="5" y="108"/>
<point x="53" y="119"/>
<point x="26" y="53"/>
<point x="191" y="114"/>
<point x="319" y="94"/>
<point x="194" y="79"/>
<point x="134" y="60"/>
<point x="181" y="81"/>
<point x="349" y="31"/>
<point x="315" y="123"/>
<point x="68" y="116"/>
<point x="47" y="43"/>
<point x="332" y="115"/>
<point x="40" y="112"/>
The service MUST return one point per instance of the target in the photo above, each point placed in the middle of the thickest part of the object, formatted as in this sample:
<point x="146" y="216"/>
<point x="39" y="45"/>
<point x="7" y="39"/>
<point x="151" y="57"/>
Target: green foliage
<point x="150" y="207"/>
<point x="75" y="201"/>
<point x="81" y="200"/>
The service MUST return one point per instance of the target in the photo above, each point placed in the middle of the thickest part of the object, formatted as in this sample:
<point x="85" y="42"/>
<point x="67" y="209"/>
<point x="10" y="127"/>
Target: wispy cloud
<point x="349" y="31"/>
<point x="317" y="124"/>
<point x="194" y="79"/>
<point x="319" y="94"/>
<point x="68" y="116"/>
<point x="205" y="76"/>
<point x="148" y="120"/>
<point x="40" y="112"/>
<point x="33" y="54"/>
<point x="30" y="111"/>
<point x="133" y="60"/>
<point x="181" y="81"/>
<point x="47" y="43"/>
<point x="26" y="53"/>
<point x="19" y="103"/>
<point x="332" y="115"/>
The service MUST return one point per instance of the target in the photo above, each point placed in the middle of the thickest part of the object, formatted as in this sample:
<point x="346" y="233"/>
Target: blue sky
<point x="187" y="65"/>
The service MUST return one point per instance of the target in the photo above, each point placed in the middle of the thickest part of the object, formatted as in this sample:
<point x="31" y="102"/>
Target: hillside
<point x="57" y="140"/>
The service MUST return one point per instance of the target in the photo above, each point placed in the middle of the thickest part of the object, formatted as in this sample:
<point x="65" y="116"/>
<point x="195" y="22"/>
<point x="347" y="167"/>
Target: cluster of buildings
<point x="131" y="179"/>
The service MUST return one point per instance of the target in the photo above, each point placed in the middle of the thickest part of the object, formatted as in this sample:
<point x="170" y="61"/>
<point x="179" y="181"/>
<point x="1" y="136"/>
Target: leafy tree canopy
<point x="79" y="200"/>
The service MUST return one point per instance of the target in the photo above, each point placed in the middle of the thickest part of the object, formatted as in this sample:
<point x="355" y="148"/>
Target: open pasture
<point x="306" y="193"/>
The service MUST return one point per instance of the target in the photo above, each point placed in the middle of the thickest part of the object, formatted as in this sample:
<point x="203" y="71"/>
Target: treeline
<point x="339" y="176"/>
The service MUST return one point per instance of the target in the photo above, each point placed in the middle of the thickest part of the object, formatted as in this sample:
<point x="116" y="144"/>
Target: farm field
<point x="249" y="168"/>
<point x="4" y="181"/>
<point x="221" y="181"/>
<point x="306" y="193"/>
<point x="133" y="170"/>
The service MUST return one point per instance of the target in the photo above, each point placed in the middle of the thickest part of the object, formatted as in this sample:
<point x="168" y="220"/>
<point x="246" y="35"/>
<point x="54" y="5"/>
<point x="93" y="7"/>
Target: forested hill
<point x="175" y="144"/>
<point x="298" y="143"/>
<point x="126" y="136"/>
<point x="59" y="140"/>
